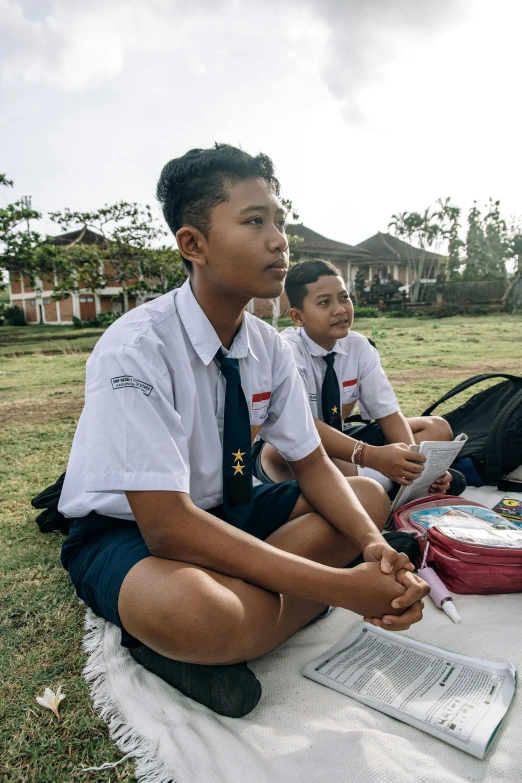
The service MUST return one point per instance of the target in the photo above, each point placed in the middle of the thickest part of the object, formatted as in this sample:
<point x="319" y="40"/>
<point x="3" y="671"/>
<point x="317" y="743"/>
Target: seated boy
<point x="340" y="369"/>
<point x="170" y="541"/>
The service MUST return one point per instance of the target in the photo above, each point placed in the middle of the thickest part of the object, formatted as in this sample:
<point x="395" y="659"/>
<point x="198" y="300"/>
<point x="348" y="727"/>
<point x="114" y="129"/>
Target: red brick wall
<point x="50" y="311"/>
<point x="30" y="312"/>
<point x="108" y="270"/>
<point x="106" y="304"/>
<point x="66" y="309"/>
<point x="48" y="284"/>
<point x="16" y="284"/>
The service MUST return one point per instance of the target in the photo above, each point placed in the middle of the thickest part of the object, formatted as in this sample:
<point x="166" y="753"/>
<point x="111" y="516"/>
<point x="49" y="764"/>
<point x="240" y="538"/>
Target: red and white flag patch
<point x="349" y="383"/>
<point x="260" y="401"/>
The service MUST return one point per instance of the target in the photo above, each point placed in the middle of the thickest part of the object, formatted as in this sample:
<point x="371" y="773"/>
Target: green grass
<point x="19" y="340"/>
<point x="41" y="622"/>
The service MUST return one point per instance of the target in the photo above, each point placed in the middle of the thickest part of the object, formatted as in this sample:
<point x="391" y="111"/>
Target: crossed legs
<point x="193" y="614"/>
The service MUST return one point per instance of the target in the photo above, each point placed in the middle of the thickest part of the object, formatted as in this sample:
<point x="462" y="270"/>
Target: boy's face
<point x="327" y="312"/>
<point x="246" y="251"/>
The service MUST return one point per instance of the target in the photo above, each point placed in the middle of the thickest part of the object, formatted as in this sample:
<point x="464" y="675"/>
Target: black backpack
<point x="50" y="518"/>
<point x="492" y="420"/>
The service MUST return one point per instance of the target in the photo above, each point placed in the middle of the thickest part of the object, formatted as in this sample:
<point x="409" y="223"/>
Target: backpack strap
<point x="495" y="440"/>
<point x="466" y="385"/>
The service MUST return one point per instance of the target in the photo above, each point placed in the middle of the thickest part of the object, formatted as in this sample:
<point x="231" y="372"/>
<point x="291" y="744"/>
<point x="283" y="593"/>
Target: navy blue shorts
<point x="100" y="551"/>
<point x="368" y="432"/>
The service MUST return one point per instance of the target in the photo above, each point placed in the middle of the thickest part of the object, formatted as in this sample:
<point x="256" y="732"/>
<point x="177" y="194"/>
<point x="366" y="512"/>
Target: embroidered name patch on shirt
<point x="260" y="401"/>
<point x="123" y="381"/>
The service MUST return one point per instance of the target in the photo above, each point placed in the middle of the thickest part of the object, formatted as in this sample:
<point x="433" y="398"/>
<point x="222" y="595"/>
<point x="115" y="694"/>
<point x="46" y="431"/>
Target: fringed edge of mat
<point x="149" y="769"/>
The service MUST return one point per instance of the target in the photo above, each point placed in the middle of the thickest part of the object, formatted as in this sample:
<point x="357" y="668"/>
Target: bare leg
<point x="276" y="467"/>
<point x="194" y="614"/>
<point x="430" y="428"/>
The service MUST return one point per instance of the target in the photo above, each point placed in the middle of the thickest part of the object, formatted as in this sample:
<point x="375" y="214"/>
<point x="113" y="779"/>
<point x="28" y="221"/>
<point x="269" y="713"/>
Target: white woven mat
<point x="302" y="732"/>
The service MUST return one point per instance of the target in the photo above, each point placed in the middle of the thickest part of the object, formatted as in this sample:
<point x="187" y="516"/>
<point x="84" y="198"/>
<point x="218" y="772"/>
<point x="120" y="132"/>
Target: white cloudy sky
<point x="367" y="107"/>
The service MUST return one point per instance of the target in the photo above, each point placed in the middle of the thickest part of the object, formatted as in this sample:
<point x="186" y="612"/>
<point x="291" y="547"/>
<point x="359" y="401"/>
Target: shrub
<point x="12" y="316"/>
<point x="400" y="314"/>
<point x="449" y="310"/>
<point x="103" y="320"/>
<point x="366" y="312"/>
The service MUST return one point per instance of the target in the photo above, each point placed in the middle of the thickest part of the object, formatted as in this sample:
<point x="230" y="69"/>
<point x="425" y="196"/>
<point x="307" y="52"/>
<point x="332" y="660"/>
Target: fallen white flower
<point x="51" y="700"/>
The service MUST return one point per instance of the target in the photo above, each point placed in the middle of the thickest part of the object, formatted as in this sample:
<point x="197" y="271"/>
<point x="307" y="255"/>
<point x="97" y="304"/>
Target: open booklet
<point x="458" y="699"/>
<point x="440" y="454"/>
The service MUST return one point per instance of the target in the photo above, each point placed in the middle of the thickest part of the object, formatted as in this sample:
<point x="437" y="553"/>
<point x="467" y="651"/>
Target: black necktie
<point x="237" y="444"/>
<point x="330" y="395"/>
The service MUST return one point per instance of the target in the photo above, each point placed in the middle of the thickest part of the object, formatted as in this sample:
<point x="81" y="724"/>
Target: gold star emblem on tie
<point x="238" y="455"/>
<point x="334" y="409"/>
<point x="238" y="469"/>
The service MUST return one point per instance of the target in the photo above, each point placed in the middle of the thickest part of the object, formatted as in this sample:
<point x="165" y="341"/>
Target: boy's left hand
<point x="391" y="560"/>
<point x="442" y="485"/>
<point x="408" y="606"/>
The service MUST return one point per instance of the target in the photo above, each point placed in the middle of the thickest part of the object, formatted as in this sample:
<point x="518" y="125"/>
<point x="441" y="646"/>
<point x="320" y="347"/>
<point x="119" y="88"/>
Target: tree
<point x="497" y="241"/>
<point x="129" y="231"/>
<point x="162" y="269"/>
<point x="18" y="248"/>
<point x="487" y="244"/>
<point x="449" y="221"/>
<point x="423" y="230"/>
<point x="513" y="294"/>
<point x="74" y="267"/>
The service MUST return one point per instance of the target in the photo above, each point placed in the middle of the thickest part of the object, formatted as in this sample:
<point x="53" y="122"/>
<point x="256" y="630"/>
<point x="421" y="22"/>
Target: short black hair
<point x="191" y="186"/>
<point x="301" y="275"/>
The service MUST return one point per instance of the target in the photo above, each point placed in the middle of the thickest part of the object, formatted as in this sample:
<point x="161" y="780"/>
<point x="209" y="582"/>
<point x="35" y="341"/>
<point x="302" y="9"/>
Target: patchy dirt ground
<point x="55" y="405"/>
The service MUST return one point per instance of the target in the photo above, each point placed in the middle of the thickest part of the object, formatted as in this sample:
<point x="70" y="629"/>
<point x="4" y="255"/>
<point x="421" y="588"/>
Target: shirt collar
<point x="202" y="334"/>
<point x="316" y="350"/>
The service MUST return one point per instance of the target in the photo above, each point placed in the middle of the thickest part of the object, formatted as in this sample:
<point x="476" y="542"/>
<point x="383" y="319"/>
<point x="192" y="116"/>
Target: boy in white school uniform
<point x="341" y="369"/>
<point x="170" y="541"/>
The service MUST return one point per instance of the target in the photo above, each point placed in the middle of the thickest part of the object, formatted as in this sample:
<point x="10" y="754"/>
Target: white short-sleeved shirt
<point x="362" y="381"/>
<point x="154" y="406"/>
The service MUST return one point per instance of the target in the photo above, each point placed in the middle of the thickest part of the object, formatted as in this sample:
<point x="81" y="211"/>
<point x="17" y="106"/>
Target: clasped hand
<point x="406" y="588"/>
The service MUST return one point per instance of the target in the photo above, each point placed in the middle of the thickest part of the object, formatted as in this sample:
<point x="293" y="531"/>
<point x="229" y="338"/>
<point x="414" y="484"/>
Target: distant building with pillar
<point x="36" y="300"/>
<point x="382" y="254"/>
<point x="391" y="255"/>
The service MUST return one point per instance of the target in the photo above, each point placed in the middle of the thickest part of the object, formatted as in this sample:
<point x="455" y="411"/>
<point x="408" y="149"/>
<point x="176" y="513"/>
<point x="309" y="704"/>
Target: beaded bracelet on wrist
<point x="359" y="458"/>
<point x="356" y="448"/>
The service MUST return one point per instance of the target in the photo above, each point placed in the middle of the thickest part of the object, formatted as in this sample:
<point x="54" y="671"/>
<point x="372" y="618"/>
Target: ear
<point x="295" y="315"/>
<point x="192" y="245"/>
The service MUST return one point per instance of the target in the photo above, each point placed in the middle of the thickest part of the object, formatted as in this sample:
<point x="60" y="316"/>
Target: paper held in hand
<point x="458" y="699"/>
<point x="439" y="456"/>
